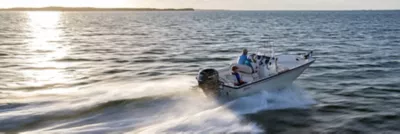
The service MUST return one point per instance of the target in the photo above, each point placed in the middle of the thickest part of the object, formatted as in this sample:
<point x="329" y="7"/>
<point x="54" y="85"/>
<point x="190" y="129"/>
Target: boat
<point x="271" y="72"/>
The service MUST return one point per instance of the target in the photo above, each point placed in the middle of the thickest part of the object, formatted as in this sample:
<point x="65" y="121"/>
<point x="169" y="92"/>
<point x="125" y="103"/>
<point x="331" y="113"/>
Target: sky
<point x="215" y="4"/>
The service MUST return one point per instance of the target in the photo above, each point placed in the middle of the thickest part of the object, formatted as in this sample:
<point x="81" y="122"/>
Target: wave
<point x="158" y="51"/>
<point x="120" y="61"/>
<point x="13" y="44"/>
<point x="113" y="34"/>
<point x="82" y="82"/>
<point x="227" y="118"/>
<point x="115" y="71"/>
<point x="78" y="103"/>
<point x="69" y="59"/>
<point x="290" y="97"/>
<point x="40" y="68"/>
<point x="150" y="73"/>
<point x="144" y="61"/>
<point x="228" y="51"/>
<point x="35" y="120"/>
<point x="3" y="54"/>
<point x="166" y="106"/>
<point x="8" y="106"/>
<point x="181" y="60"/>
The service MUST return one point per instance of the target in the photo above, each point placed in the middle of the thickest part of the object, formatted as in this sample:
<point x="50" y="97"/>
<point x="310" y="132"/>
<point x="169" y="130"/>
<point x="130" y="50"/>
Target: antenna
<point x="265" y="49"/>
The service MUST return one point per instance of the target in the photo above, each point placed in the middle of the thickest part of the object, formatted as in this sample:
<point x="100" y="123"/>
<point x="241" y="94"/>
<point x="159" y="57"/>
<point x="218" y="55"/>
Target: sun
<point x="65" y="3"/>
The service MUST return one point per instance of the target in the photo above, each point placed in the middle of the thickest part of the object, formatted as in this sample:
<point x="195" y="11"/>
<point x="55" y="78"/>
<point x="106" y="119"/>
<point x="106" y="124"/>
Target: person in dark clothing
<point x="238" y="81"/>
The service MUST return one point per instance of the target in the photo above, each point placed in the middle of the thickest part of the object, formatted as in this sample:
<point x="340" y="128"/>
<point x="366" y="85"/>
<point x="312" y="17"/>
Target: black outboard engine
<point x="208" y="80"/>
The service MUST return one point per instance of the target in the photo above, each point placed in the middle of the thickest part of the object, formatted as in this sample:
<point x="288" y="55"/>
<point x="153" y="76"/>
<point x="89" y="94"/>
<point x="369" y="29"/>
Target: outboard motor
<point x="208" y="80"/>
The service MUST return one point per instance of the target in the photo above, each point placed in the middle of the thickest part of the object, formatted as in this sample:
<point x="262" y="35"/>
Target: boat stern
<point x="208" y="81"/>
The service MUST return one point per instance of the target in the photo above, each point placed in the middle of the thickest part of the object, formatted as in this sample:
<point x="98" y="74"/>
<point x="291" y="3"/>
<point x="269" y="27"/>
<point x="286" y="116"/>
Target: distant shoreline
<point x="167" y="9"/>
<point x="91" y="9"/>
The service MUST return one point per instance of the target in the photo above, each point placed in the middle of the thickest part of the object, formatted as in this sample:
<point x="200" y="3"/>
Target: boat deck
<point x="284" y="63"/>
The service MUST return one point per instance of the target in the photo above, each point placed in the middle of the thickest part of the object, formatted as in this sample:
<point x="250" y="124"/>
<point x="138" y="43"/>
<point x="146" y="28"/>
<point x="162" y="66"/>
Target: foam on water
<point x="228" y="117"/>
<point x="290" y="97"/>
<point x="90" y="96"/>
<point x="184" y="110"/>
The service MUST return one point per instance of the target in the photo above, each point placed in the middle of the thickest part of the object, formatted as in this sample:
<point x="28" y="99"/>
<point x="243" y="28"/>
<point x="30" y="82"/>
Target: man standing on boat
<point x="243" y="60"/>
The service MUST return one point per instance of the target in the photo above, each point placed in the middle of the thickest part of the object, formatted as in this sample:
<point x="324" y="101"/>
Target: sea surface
<point x="134" y="72"/>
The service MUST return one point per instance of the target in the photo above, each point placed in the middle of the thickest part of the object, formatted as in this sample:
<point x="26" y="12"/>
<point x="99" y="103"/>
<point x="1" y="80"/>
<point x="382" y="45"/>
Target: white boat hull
<point x="277" y="81"/>
<point x="275" y="72"/>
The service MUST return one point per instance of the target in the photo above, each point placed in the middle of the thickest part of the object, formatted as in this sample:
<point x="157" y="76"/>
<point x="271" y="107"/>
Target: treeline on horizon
<point x="91" y="9"/>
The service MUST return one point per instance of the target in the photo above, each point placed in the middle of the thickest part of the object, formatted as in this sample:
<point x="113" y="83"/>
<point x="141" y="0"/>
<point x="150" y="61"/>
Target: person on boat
<point x="245" y="60"/>
<point x="235" y="72"/>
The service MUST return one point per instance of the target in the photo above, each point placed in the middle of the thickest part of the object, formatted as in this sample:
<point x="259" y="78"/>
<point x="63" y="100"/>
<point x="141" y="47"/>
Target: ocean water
<point x="133" y="72"/>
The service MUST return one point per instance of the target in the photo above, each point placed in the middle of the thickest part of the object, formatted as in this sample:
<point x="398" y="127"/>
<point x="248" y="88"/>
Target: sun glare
<point x="45" y="45"/>
<point x="65" y="3"/>
<point x="45" y="33"/>
<point x="44" y="19"/>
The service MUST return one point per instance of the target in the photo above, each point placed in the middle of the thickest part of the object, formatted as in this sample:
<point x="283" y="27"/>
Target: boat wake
<point x="145" y="107"/>
<point x="290" y="97"/>
<point x="228" y="117"/>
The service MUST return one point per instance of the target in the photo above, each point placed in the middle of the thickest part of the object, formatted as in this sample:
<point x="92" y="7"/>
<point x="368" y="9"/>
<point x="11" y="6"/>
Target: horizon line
<point x="61" y="8"/>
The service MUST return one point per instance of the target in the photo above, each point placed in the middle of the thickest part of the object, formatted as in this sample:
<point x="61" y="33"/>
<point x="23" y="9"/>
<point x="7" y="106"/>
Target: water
<point x="101" y="72"/>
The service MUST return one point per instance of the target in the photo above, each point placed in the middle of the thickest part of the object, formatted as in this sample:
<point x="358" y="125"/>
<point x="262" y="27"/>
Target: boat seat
<point x="242" y="68"/>
<point x="229" y="80"/>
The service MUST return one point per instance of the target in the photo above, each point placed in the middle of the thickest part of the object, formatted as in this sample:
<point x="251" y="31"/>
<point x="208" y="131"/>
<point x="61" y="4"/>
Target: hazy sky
<point x="216" y="4"/>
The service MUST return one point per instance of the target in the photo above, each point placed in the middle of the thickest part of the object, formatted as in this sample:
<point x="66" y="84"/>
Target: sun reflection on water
<point x="45" y="34"/>
<point x="45" y="45"/>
